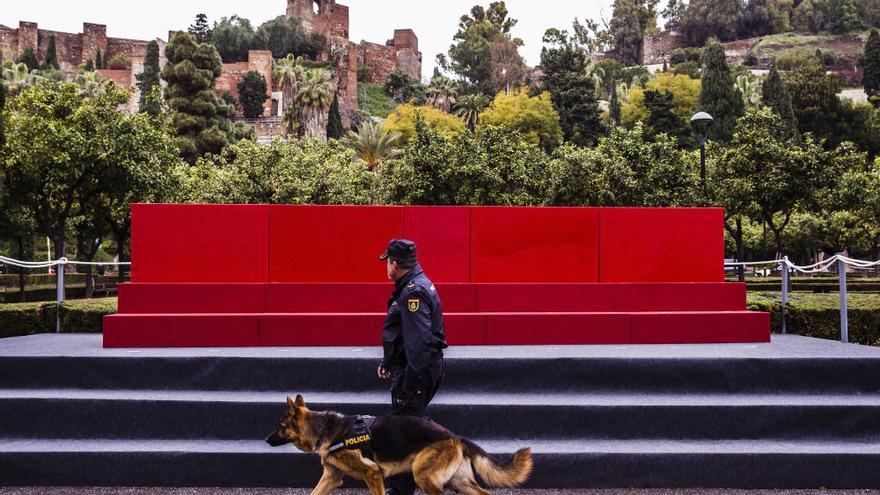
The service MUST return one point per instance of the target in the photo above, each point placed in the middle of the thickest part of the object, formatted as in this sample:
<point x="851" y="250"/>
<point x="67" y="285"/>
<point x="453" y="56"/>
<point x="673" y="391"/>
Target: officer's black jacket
<point x="413" y="334"/>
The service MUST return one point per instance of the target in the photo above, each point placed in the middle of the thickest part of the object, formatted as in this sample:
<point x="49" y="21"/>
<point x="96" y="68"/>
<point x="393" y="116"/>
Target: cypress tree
<point x="719" y="96"/>
<point x="614" y="107"/>
<point x="2" y="106"/>
<point x="252" y="94"/>
<point x="202" y="120"/>
<point x="148" y="80"/>
<point x="51" y="55"/>
<point x="99" y="62"/>
<point x="335" y="130"/>
<point x="662" y="118"/>
<point x="90" y="66"/>
<point x="775" y="95"/>
<point x="871" y="79"/>
<point x="29" y="58"/>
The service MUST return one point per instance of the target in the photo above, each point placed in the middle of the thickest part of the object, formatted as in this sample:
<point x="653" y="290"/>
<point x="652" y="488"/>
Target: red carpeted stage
<point x="260" y="275"/>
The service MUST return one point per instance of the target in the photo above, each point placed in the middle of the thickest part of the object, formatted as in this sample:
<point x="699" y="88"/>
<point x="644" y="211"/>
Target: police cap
<point x="400" y="249"/>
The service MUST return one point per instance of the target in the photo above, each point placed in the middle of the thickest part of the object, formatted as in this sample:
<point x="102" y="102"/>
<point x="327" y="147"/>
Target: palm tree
<point x="750" y="90"/>
<point x="90" y="83"/>
<point x="373" y="143"/>
<point x="595" y="73"/>
<point x="18" y="77"/>
<point x="442" y="93"/>
<point x="288" y="71"/>
<point x="313" y="97"/>
<point x="469" y="108"/>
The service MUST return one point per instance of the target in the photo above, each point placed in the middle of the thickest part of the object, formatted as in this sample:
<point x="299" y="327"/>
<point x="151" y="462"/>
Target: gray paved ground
<point x="782" y="346"/>
<point x="276" y="491"/>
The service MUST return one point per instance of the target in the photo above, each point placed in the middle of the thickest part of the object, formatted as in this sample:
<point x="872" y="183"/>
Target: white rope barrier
<point x="820" y="267"/>
<point x="62" y="261"/>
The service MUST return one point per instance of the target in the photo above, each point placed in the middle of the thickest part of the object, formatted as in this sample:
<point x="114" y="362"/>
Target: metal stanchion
<point x="59" y="285"/>
<point x="784" y="292"/>
<point x="844" y="327"/>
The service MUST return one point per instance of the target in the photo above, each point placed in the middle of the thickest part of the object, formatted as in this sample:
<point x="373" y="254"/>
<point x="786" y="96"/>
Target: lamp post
<point x="701" y="123"/>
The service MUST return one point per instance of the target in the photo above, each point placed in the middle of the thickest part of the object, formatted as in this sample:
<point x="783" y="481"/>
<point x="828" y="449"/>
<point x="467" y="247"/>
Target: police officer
<point x="413" y="339"/>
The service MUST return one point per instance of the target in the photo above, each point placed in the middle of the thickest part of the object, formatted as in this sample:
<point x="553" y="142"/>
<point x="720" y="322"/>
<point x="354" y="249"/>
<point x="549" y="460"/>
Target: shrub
<point x="83" y="316"/>
<point x="403" y="120"/>
<point x="119" y="62"/>
<point x="818" y="315"/>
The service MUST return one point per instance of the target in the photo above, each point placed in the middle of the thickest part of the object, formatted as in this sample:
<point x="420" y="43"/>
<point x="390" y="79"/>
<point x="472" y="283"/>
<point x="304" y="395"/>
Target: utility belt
<point x="359" y="437"/>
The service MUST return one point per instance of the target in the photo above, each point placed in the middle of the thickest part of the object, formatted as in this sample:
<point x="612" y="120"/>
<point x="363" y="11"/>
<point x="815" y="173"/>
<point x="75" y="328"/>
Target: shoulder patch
<point x="413" y="304"/>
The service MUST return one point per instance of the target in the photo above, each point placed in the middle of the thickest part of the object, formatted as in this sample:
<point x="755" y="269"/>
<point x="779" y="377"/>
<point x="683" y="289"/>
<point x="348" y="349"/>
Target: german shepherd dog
<point x="436" y="457"/>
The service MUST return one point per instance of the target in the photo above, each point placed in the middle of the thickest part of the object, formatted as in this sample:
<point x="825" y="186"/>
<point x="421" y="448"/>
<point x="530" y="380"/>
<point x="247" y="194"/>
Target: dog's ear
<point x="300" y="402"/>
<point x="290" y="404"/>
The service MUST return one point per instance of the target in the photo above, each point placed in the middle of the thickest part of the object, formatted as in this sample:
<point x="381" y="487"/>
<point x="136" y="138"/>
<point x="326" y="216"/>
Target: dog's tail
<point x="494" y="473"/>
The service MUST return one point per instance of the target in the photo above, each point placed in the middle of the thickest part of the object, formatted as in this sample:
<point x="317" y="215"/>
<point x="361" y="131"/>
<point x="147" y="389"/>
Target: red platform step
<point x="364" y="329"/>
<point x="139" y="298"/>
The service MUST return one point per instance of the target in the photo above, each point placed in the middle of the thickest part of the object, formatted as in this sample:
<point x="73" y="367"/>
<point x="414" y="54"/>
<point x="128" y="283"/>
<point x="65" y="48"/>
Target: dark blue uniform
<point x="413" y="339"/>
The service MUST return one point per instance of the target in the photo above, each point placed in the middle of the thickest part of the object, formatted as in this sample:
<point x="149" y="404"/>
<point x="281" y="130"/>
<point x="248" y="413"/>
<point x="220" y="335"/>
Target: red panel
<point x="328" y="298"/>
<point x="546" y="297"/>
<point x="557" y="328"/>
<point x="512" y="244"/>
<point x="199" y="243"/>
<point x="191" y="298"/>
<point x="352" y="329"/>
<point x="181" y="330"/>
<point x="331" y="243"/>
<point x="442" y="237"/>
<point x="695" y="328"/>
<point x="680" y="297"/>
<point x="661" y="245"/>
<point x="465" y="329"/>
<point x="458" y="298"/>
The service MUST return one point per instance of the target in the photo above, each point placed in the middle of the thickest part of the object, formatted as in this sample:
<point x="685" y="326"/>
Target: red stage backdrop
<point x="248" y="275"/>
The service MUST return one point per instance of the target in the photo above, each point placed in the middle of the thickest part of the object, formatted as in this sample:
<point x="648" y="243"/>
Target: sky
<point x="434" y="22"/>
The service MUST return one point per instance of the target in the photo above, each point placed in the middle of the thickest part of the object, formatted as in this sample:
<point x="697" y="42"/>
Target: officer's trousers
<point x="404" y="403"/>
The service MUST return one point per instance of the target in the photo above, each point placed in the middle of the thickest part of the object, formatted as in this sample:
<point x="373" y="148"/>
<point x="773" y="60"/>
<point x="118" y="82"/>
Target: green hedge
<point x="818" y="315"/>
<point x="83" y="316"/>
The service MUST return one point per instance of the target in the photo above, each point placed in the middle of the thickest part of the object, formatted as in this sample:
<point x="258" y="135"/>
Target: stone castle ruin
<point x="322" y="16"/>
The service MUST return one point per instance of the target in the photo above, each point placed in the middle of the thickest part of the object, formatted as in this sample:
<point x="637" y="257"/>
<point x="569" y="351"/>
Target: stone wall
<point x="259" y="61"/>
<point x="656" y="48"/>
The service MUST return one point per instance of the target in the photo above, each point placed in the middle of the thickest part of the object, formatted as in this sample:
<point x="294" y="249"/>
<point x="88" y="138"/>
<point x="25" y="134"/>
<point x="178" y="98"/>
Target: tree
<point x="90" y="84"/>
<point x="702" y="19"/>
<point x="2" y="116"/>
<point x="313" y="97"/>
<point x="508" y="66"/>
<point x="718" y="96"/>
<point x="60" y="175"/>
<point x="233" y="37"/>
<point x="148" y="81"/>
<point x="626" y="32"/>
<point x="442" y="93"/>
<point x="89" y="66"/>
<point x="565" y="64"/>
<point x="403" y="89"/>
<point x="469" y="107"/>
<point x="871" y="64"/>
<point x="51" y="55"/>
<point x="685" y="96"/>
<point x="200" y="118"/>
<point x="285" y="36"/>
<point x="403" y="121"/>
<point x="29" y="58"/>
<point x="814" y="100"/>
<point x="775" y="95"/>
<point x="335" y="129"/>
<point x="810" y="16"/>
<point x="288" y="71"/>
<point x="844" y="16"/>
<point x="533" y="117"/>
<point x="470" y="54"/>
<point x="252" y="94"/>
<point x="661" y="117"/>
<point x="614" y="106"/>
<point x="373" y="144"/>
<point x="201" y="30"/>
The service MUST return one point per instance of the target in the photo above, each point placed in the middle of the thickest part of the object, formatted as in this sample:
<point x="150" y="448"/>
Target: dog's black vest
<point x="360" y="436"/>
